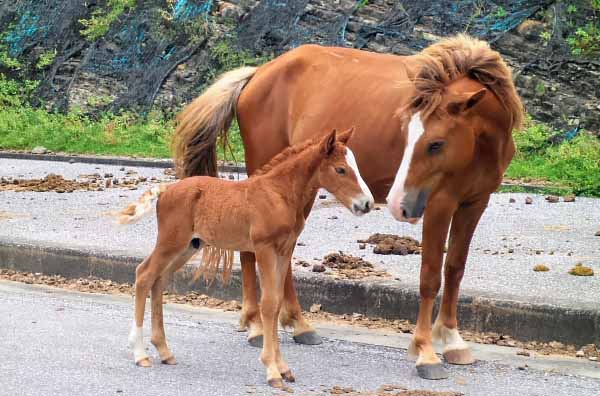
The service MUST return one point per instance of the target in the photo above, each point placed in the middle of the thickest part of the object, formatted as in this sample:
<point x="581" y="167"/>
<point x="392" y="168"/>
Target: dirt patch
<point x="346" y="266"/>
<point x="388" y="390"/>
<point x="393" y="244"/>
<point x="97" y="285"/>
<point x="84" y="182"/>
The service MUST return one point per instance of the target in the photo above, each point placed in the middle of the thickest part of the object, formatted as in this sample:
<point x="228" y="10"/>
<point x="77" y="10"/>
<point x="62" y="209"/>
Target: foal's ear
<point x="328" y="144"/>
<point x="346" y="135"/>
<point x="470" y="100"/>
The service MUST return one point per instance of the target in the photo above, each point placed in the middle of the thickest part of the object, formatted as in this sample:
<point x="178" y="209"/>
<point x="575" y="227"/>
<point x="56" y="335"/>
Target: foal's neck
<point x="296" y="178"/>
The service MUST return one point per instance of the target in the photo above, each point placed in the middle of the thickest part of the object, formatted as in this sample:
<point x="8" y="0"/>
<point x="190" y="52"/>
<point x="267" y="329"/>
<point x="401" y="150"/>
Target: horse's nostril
<point x="355" y="207"/>
<point x="404" y="214"/>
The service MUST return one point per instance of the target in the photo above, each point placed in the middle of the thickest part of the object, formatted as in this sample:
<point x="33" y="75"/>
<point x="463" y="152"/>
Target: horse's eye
<point x="435" y="147"/>
<point x="341" y="171"/>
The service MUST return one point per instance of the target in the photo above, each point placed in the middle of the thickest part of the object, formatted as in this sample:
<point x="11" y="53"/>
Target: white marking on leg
<point x="136" y="342"/>
<point x="415" y="131"/>
<point x="449" y="337"/>
<point x="351" y="160"/>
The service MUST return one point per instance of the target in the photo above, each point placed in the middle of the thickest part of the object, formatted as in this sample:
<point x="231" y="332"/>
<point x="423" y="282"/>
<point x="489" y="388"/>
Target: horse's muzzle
<point x="411" y="207"/>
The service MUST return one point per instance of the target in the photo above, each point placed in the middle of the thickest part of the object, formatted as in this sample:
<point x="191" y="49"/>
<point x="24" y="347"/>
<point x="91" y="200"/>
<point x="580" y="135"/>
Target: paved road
<point x="558" y="235"/>
<point x="55" y="342"/>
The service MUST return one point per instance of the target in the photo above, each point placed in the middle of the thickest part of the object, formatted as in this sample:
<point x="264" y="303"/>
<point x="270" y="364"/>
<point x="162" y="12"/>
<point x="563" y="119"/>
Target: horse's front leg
<point x="464" y="222"/>
<point x="435" y="230"/>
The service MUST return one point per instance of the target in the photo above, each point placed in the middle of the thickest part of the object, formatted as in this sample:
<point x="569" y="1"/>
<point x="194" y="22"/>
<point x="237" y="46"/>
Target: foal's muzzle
<point x="362" y="205"/>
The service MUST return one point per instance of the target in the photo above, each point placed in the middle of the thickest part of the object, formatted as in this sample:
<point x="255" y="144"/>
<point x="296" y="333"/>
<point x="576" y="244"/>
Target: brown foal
<point x="263" y="214"/>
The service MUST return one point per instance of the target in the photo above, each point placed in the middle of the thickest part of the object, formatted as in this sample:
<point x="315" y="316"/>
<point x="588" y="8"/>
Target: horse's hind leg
<point x="250" y="316"/>
<point x="158" y="338"/>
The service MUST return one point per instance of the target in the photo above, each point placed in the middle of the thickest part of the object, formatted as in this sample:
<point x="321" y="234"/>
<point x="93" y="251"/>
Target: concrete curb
<point x="390" y="300"/>
<point x="110" y="160"/>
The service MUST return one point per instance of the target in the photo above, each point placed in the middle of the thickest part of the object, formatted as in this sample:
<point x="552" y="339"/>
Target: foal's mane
<point x="283" y="156"/>
<point x="458" y="56"/>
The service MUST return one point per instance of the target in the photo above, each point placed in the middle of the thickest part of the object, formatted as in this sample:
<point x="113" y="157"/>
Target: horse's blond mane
<point x="286" y="154"/>
<point x="461" y="55"/>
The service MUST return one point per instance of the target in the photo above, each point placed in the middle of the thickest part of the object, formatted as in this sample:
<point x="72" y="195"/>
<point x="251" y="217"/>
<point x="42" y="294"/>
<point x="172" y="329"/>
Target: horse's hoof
<point x="459" y="356"/>
<point x="432" y="371"/>
<point x="256" y="341"/>
<point x="170" y="360"/>
<point x="288" y="376"/>
<point x="275" y="383"/>
<point x="308" y="338"/>
<point x="144" y="362"/>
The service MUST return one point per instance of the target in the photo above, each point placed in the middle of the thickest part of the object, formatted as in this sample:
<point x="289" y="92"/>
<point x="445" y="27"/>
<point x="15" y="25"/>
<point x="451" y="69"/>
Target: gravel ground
<point x="61" y="343"/>
<point x="556" y="234"/>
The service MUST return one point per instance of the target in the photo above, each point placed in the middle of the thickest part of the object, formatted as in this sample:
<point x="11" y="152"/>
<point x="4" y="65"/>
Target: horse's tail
<point x="204" y="120"/>
<point x="138" y="209"/>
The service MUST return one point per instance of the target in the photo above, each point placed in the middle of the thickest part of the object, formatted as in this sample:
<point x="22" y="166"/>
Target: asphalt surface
<point x="55" y="342"/>
<point x="556" y="234"/>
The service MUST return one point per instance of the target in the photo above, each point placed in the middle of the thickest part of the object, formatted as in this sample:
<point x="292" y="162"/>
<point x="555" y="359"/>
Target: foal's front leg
<point x="272" y="276"/>
<point x="464" y="222"/>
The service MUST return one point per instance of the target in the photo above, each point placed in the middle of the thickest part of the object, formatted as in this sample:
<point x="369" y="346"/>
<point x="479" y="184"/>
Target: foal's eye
<point x="340" y="171"/>
<point x="435" y="147"/>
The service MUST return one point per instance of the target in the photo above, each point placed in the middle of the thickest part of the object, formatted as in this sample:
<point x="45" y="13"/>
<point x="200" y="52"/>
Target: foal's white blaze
<point x="366" y="199"/>
<point x="136" y="341"/>
<point x="397" y="192"/>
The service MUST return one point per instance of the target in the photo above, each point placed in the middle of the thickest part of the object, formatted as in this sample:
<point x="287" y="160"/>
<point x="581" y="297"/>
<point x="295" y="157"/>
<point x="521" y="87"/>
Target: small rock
<point x="511" y="250"/>
<point x="569" y="198"/>
<point x="322" y="196"/>
<point x="541" y="268"/>
<point x="528" y="200"/>
<point x="511" y="200"/>
<point x="362" y="246"/>
<point x="333" y="218"/>
<point x="523" y="353"/>
<point x="523" y="367"/>
<point x="301" y="244"/>
<point x="552" y="198"/>
<point x="71" y="161"/>
<point x="315" y="308"/>
<point x="107" y="175"/>
<point x="580" y="353"/>
<point x="231" y="177"/>
<point x="597" y="233"/>
<point x="581" y="270"/>
<point x="593" y="358"/>
<point x="122" y="168"/>
<point x="39" y="150"/>
<point x="318" y="268"/>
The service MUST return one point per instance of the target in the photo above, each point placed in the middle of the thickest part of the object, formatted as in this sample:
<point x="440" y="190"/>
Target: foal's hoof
<point x="170" y="360"/>
<point x="144" y="362"/>
<point x="288" y="376"/>
<point x="308" y="338"/>
<point x="432" y="371"/>
<point x="459" y="356"/>
<point x="256" y="341"/>
<point x="275" y="383"/>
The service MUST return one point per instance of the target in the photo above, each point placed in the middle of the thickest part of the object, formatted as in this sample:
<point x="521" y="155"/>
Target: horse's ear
<point x="328" y="144"/>
<point x="469" y="101"/>
<point x="345" y="136"/>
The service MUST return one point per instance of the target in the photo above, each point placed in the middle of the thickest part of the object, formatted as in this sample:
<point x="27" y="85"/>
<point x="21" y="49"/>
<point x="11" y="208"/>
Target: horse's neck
<point x="296" y="179"/>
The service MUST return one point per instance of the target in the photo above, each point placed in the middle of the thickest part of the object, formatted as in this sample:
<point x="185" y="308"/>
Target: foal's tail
<point x="138" y="209"/>
<point x="204" y="120"/>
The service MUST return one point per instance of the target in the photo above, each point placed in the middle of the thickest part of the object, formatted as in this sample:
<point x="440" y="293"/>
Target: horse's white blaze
<point x="351" y="160"/>
<point x="396" y="194"/>
<point x="136" y="341"/>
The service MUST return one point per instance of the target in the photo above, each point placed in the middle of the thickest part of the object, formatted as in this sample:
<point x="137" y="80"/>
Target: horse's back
<point x="311" y="90"/>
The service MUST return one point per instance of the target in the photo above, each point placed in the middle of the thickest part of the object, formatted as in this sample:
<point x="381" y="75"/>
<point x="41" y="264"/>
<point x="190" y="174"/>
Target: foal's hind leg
<point x="159" y="339"/>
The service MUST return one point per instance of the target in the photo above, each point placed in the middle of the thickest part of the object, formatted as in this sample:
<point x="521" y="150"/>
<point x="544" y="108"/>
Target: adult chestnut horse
<point x="433" y="136"/>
